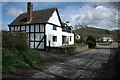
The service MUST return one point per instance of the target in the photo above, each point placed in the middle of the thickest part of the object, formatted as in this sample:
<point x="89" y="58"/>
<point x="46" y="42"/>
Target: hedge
<point x="16" y="53"/>
<point x="14" y="40"/>
<point x="91" y="41"/>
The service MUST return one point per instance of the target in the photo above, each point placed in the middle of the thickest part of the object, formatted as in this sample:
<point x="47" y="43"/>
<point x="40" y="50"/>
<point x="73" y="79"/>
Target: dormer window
<point x="54" y="27"/>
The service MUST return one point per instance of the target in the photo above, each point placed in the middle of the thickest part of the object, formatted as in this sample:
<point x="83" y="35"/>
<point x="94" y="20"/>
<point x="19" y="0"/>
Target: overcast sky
<point x="94" y="14"/>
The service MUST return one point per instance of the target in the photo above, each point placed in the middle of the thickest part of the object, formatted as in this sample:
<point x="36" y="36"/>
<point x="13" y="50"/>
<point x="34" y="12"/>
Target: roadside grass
<point x="104" y="43"/>
<point x="13" y="59"/>
<point x="16" y="53"/>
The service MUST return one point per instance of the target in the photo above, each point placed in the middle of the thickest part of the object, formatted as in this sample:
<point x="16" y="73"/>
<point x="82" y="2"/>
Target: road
<point x="94" y="63"/>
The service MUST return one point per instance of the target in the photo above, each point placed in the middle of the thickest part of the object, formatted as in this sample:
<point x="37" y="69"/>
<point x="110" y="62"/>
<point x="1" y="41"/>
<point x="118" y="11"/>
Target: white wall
<point x="50" y="33"/>
<point x="54" y="19"/>
<point x="68" y="36"/>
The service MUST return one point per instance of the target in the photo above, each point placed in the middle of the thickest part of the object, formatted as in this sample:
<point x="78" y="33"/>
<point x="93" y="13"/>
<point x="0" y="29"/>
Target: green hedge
<point x="14" y="40"/>
<point x="16" y="53"/>
<point x="91" y="41"/>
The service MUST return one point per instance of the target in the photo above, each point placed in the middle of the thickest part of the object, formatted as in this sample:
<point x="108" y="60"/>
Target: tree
<point x="91" y="41"/>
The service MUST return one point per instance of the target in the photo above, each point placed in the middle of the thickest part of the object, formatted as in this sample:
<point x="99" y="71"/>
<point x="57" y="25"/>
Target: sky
<point x="93" y="14"/>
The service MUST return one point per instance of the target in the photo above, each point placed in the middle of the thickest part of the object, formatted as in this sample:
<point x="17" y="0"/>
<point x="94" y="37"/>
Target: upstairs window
<point x="54" y="38"/>
<point x="54" y="27"/>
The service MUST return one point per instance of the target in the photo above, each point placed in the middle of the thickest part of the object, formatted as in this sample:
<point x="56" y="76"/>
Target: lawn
<point x="104" y="43"/>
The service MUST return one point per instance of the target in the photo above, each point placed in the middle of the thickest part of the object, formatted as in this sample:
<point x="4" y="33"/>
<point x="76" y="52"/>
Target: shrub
<point x="16" y="59"/>
<point x="90" y="44"/>
<point x="16" y="53"/>
<point x="14" y="40"/>
<point x="91" y="41"/>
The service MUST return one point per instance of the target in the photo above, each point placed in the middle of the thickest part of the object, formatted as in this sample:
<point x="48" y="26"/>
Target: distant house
<point x="106" y="38"/>
<point x="44" y="28"/>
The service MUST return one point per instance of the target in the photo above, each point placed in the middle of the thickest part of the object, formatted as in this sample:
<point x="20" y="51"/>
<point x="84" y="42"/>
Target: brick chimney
<point x="29" y="11"/>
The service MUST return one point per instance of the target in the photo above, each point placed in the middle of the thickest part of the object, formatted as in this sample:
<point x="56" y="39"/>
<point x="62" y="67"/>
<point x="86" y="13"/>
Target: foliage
<point x="16" y="53"/>
<point x="91" y="41"/>
<point x="14" y="40"/>
<point x="104" y="43"/>
<point x="16" y="59"/>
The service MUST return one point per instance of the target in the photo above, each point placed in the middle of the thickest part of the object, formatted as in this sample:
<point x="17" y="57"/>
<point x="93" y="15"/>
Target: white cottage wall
<point x="50" y="33"/>
<point x="68" y="36"/>
<point x="54" y="19"/>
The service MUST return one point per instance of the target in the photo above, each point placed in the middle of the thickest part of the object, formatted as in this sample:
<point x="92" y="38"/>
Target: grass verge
<point x="13" y="59"/>
<point x="104" y="43"/>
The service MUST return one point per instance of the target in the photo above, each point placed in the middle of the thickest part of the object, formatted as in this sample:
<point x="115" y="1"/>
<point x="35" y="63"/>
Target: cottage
<point x="106" y="38"/>
<point x="44" y="28"/>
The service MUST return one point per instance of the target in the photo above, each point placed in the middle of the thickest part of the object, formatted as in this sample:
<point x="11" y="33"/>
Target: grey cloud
<point x="100" y="16"/>
<point x="13" y="12"/>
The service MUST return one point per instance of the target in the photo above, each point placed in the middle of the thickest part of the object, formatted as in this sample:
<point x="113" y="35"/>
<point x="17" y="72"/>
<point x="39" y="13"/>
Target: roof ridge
<point x="45" y="9"/>
<point x="41" y="10"/>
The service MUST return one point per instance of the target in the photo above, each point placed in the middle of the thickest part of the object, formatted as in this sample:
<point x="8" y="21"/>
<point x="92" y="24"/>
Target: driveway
<point x="94" y="63"/>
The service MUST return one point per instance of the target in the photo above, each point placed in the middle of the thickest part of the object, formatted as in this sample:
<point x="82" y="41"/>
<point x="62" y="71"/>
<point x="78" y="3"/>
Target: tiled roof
<point x="39" y="16"/>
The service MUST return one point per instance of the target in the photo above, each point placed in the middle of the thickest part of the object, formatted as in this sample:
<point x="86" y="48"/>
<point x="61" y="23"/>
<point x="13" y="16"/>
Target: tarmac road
<point x="94" y="63"/>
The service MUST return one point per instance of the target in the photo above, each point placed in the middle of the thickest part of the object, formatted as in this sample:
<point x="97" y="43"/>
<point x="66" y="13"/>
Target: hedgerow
<point x="16" y="53"/>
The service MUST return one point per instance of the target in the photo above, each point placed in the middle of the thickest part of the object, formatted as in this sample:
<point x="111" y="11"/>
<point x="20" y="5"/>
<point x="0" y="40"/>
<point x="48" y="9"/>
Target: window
<point x="42" y="28"/>
<point x="12" y="28"/>
<point x="37" y="28"/>
<point x="32" y="28"/>
<point x="54" y="27"/>
<point x="70" y="38"/>
<point x="54" y="38"/>
<point x="64" y="40"/>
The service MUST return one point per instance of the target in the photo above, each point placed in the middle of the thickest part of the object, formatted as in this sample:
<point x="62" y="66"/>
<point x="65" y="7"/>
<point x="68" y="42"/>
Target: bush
<point x="16" y="53"/>
<point x="91" y="41"/>
<point x="16" y="59"/>
<point x="91" y="44"/>
<point x="14" y="40"/>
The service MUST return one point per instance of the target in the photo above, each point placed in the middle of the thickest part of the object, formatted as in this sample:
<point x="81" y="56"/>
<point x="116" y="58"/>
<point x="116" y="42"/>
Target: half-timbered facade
<point x="44" y="28"/>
